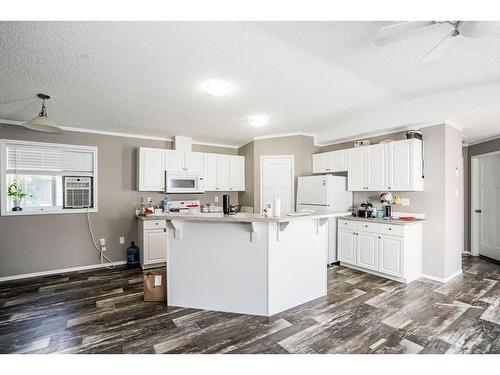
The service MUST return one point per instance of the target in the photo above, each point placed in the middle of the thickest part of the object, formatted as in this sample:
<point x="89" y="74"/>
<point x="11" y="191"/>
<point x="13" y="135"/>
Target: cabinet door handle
<point x="389" y="228"/>
<point x="478" y="211"/>
<point x="366" y="226"/>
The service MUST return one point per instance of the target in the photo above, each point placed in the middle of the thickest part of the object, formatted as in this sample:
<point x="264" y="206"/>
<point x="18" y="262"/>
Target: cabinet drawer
<point x="368" y="227"/>
<point x="154" y="224"/>
<point x="393" y="230"/>
<point x="347" y="224"/>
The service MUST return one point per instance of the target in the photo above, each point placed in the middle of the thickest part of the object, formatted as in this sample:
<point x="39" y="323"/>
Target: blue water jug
<point x="133" y="256"/>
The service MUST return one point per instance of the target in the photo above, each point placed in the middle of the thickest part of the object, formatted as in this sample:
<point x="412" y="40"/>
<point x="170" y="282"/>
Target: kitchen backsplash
<point x="207" y="197"/>
<point x="415" y="197"/>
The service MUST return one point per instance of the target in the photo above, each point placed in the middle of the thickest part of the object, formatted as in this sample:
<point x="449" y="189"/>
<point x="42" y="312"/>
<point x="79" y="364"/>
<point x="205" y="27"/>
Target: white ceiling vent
<point x="182" y="143"/>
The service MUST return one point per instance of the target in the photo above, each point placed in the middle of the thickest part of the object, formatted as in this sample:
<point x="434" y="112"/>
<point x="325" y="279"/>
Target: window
<point x="39" y="169"/>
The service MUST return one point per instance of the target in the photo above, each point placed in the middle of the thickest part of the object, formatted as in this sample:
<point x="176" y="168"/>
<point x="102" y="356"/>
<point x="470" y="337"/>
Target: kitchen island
<point x="246" y="263"/>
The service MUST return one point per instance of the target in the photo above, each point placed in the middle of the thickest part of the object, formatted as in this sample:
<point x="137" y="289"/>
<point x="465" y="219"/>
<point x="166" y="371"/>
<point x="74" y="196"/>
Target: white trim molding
<point x="120" y="134"/>
<point x="58" y="271"/>
<point x="442" y="279"/>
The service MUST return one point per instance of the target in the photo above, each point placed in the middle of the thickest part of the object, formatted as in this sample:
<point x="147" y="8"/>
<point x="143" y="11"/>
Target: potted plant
<point x="15" y="192"/>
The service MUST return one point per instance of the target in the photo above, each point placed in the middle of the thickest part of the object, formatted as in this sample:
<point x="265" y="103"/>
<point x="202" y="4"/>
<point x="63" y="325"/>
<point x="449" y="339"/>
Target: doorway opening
<point x="485" y="205"/>
<point x="277" y="180"/>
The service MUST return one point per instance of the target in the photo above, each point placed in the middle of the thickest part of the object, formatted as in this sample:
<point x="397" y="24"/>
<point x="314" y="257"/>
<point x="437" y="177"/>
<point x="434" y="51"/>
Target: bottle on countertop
<point x="226" y="204"/>
<point x="166" y="204"/>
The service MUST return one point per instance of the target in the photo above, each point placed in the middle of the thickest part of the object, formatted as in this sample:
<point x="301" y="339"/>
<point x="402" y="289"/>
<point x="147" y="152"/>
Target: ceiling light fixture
<point x="42" y="122"/>
<point x="216" y="87"/>
<point x="258" y="120"/>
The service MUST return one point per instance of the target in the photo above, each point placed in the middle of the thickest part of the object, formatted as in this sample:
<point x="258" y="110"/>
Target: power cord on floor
<point x="111" y="264"/>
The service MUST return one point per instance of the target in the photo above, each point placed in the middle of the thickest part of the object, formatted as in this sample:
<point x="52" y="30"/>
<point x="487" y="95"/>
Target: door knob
<point x="478" y="211"/>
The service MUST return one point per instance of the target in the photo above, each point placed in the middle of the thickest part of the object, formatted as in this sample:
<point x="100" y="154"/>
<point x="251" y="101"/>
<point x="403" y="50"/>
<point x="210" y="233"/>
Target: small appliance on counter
<point x="365" y="210"/>
<point x="226" y="204"/>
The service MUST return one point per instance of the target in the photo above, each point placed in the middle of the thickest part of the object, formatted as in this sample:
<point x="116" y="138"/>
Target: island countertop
<point x="383" y="221"/>
<point x="243" y="217"/>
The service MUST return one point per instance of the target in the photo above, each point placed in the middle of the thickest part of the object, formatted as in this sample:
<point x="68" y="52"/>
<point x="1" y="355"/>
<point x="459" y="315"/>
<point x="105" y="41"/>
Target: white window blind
<point x="23" y="157"/>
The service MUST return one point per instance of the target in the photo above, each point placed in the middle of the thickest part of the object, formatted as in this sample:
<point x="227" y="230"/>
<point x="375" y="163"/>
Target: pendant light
<point x="42" y="122"/>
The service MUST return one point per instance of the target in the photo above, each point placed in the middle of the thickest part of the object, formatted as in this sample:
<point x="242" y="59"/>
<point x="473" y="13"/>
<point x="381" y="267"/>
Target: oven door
<point x="183" y="183"/>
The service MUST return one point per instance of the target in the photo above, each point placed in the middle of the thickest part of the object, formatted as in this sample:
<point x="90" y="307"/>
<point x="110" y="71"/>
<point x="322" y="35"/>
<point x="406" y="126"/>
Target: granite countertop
<point x="243" y="217"/>
<point x="383" y="221"/>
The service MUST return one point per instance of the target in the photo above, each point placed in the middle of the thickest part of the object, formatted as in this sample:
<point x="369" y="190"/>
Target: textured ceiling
<point x="331" y="79"/>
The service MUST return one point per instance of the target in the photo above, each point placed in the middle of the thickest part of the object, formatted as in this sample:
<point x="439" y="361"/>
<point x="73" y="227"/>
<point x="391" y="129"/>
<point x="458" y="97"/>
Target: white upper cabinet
<point x="151" y="169"/>
<point x="194" y="161"/>
<point x="327" y="162"/>
<point x="222" y="172"/>
<point x="175" y="160"/>
<point x="184" y="161"/>
<point x="339" y="161"/>
<point x="377" y="167"/>
<point x="321" y="162"/>
<point x="209" y="164"/>
<point x="356" y="178"/>
<point x="395" y="166"/>
<point x="236" y="173"/>
<point x="405" y="165"/>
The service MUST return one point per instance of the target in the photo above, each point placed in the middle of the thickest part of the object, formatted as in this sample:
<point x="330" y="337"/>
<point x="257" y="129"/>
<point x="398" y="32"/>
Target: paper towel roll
<point x="277" y="207"/>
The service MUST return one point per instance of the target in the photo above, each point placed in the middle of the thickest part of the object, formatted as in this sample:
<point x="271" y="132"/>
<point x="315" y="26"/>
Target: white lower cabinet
<point x="347" y="246"/>
<point x="368" y="250"/>
<point x="366" y="246"/>
<point x="152" y="242"/>
<point x="391" y="255"/>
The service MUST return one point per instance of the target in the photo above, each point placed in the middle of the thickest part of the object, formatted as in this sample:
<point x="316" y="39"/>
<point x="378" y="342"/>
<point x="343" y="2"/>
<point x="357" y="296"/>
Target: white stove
<point x="183" y="206"/>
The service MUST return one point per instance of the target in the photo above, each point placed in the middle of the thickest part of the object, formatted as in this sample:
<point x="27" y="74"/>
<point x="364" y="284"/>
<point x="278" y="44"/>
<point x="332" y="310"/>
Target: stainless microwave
<point x="184" y="182"/>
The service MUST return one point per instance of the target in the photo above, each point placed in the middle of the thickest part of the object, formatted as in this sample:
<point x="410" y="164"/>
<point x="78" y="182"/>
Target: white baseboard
<point x="62" y="270"/>
<point x="442" y="279"/>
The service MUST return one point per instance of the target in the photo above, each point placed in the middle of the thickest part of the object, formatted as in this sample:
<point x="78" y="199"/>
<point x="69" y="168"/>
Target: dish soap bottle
<point x="166" y="204"/>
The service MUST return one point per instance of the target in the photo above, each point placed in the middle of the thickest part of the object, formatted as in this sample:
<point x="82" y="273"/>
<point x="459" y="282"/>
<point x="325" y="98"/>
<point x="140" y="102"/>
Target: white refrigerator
<point x="325" y="192"/>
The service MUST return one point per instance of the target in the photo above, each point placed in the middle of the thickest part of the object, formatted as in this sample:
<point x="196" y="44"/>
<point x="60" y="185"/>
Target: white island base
<point x="260" y="268"/>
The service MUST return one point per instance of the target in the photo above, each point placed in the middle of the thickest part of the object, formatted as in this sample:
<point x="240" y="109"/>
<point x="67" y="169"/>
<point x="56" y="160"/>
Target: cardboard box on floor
<point x="155" y="285"/>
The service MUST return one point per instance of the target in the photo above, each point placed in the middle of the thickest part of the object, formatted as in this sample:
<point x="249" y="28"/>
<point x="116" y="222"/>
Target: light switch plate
<point x="122" y="240"/>
<point x="216" y="199"/>
<point x="103" y="241"/>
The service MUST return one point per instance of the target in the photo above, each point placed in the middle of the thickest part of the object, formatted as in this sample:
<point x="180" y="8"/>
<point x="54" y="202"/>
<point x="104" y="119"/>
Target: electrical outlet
<point x="103" y="249"/>
<point x="216" y="199"/>
<point x="405" y="202"/>
<point x="122" y="240"/>
<point x="103" y="241"/>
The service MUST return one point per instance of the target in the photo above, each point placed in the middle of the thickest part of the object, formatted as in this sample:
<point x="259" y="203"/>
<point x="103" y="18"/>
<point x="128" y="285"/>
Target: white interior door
<point x="488" y="206"/>
<point x="277" y="181"/>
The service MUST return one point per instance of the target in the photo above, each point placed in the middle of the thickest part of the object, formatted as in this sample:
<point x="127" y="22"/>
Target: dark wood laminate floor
<point x="103" y="312"/>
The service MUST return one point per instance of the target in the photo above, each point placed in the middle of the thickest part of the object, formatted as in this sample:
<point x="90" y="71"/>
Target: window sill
<point x="49" y="212"/>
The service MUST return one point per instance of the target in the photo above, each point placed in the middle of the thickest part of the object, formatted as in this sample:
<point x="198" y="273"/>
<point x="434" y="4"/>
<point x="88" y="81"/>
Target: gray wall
<point x="246" y="197"/>
<point x="442" y="153"/>
<point x="301" y="147"/>
<point x="38" y="243"/>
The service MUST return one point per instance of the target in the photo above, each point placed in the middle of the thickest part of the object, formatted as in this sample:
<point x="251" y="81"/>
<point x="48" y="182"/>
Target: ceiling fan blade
<point x="401" y="27"/>
<point x="476" y="29"/>
<point x="435" y="53"/>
